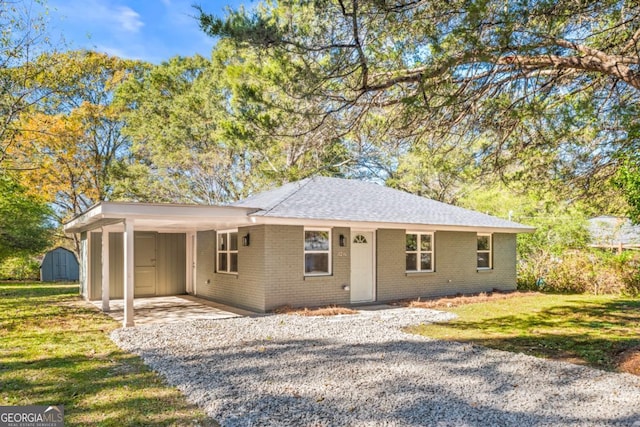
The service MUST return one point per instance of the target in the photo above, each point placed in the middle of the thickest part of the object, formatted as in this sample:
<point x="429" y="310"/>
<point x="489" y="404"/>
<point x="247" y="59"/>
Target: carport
<point x="133" y="229"/>
<point x="170" y="309"/>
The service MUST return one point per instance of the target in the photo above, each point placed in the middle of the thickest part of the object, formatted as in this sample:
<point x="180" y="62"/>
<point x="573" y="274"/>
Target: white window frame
<point x="305" y="252"/>
<point x="228" y="251"/>
<point x="419" y="251"/>
<point x="485" y="251"/>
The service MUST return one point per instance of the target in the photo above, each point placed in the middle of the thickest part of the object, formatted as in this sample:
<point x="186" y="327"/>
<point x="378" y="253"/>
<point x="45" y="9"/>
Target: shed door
<point x="362" y="274"/>
<point x="145" y="260"/>
<point x="59" y="265"/>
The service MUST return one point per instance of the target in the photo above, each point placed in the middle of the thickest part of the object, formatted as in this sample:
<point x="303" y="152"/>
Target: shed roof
<point x="335" y="199"/>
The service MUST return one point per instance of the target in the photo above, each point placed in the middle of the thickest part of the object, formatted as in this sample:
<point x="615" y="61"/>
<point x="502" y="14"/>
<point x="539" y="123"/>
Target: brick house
<point x="308" y="243"/>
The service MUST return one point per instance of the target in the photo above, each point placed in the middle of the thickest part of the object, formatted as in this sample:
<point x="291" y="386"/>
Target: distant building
<point x="612" y="232"/>
<point x="59" y="265"/>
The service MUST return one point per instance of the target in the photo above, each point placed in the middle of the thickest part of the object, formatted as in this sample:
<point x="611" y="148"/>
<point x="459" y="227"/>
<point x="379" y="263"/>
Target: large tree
<point x="213" y="131"/>
<point x="71" y="141"/>
<point x="545" y="91"/>
<point x="25" y="227"/>
<point x="23" y="38"/>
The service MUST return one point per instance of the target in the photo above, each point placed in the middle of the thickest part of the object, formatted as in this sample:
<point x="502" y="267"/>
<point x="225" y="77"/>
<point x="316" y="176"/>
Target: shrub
<point x="592" y="271"/>
<point x="20" y="268"/>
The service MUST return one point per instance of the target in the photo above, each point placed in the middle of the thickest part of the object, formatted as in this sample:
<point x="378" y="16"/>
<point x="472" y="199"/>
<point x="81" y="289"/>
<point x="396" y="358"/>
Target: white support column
<point x="105" y="270"/>
<point x="189" y="261"/>
<point x="128" y="273"/>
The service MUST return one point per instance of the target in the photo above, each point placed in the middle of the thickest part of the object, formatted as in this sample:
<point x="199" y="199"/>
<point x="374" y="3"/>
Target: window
<point x="317" y="252"/>
<point x="228" y="251"/>
<point x="419" y="252"/>
<point x="484" y="251"/>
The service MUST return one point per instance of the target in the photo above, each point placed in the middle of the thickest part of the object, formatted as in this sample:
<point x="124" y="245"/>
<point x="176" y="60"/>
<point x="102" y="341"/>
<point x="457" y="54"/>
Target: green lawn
<point x="55" y="349"/>
<point x="587" y="329"/>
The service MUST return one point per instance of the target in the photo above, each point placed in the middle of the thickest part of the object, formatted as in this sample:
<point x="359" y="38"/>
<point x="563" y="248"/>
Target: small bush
<point x="590" y="271"/>
<point x="20" y="268"/>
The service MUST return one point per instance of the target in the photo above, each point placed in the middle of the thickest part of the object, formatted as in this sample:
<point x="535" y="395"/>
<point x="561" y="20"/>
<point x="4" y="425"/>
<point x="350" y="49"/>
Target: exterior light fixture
<point x="246" y="240"/>
<point x="342" y="240"/>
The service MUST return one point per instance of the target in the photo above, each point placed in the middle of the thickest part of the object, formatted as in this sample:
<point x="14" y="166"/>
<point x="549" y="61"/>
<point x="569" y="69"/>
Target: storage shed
<point x="59" y="265"/>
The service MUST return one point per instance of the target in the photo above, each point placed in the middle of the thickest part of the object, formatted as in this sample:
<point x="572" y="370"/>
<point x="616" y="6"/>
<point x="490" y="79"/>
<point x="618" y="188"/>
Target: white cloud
<point x="101" y="14"/>
<point x="128" y="19"/>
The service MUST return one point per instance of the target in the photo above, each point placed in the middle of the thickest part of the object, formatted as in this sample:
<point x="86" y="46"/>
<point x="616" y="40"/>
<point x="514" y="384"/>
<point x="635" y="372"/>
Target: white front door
<point x="362" y="270"/>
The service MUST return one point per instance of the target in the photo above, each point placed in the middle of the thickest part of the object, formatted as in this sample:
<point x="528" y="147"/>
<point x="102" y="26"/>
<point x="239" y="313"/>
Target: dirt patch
<point x="629" y="361"/>
<point x="462" y="299"/>
<point x="318" y="311"/>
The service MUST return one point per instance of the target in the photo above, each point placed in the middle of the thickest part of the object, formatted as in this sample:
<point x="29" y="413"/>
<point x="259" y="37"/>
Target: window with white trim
<point x="228" y="251"/>
<point x="484" y="251"/>
<point x="419" y="252"/>
<point x="317" y="251"/>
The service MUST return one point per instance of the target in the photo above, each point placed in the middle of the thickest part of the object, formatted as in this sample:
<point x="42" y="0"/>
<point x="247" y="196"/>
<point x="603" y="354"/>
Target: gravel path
<point x="362" y="370"/>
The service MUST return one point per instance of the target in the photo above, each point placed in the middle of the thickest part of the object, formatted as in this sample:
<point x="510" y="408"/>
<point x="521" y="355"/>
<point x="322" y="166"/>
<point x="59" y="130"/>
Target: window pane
<point x="222" y="262"/>
<point x="483" y="243"/>
<point x="222" y="241"/>
<point x="425" y="262"/>
<point x="425" y="242"/>
<point x="233" y="241"/>
<point x="412" y="262"/>
<point x="483" y="259"/>
<point x="316" y="240"/>
<point x="316" y="263"/>
<point x="412" y="242"/>
<point x="234" y="263"/>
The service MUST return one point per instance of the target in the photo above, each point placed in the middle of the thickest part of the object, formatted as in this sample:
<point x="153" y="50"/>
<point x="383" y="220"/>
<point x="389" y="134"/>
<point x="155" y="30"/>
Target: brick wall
<point x="271" y="269"/>
<point x="285" y="281"/>
<point x="245" y="289"/>
<point x="455" y="266"/>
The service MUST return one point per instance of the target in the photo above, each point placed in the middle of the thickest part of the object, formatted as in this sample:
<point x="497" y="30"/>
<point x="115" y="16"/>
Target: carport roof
<point x="159" y="216"/>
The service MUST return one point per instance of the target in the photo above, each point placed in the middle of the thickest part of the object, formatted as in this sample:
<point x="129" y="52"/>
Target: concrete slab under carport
<point x="171" y="309"/>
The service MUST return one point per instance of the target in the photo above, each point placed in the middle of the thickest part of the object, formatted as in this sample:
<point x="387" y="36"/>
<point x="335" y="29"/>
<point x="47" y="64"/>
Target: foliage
<point x="585" y="329"/>
<point x="544" y="92"/>
<point x="628" y="180"/>
<point x="560" y="225"/>
<point x="212" y="131"/>
<point x="24" y="220"/>
<point x="20" y="268"/>
<point x="22" y="38"/>
<point x="176" y="119"/>
<point x="586" y="271"/>
<point x="57" y="350"/>
<point x="71" y="140"/>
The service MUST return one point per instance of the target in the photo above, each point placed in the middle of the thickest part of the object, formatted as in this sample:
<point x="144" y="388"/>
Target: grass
<point x="55" y="349"/>
<point x="600" y="331"/>
<point x="331" y="310"/>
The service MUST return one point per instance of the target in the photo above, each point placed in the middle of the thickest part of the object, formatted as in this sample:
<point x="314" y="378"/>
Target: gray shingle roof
<point x="322" y="198"/>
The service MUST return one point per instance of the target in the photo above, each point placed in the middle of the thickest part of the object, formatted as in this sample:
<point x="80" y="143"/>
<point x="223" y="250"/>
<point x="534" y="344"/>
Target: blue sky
<point x="151" y="30"/>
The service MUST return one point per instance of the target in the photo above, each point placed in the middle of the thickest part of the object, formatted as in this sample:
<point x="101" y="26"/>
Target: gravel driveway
<point x="362" y="370"/>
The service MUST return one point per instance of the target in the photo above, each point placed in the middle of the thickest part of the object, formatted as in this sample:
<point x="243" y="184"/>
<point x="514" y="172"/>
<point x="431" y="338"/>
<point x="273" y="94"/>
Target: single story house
<point x="308" y="243"/>
<point x="59" y="264"/>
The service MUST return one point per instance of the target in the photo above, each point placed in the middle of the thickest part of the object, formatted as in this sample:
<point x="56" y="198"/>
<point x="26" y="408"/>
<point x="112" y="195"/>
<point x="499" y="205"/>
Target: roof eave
<point x="319" y="222"/>
<point x="108" y="213"/>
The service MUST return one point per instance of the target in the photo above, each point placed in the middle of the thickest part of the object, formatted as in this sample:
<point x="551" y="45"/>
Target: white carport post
<point x="105" y="269"/>
<point x="128" y="273"/>
<point x="191" y="261"/>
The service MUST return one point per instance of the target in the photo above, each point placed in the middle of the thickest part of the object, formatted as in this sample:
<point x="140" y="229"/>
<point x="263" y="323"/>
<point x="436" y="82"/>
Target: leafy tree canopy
<point x="24" y="220"/>
<point x="544" y="92"/>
